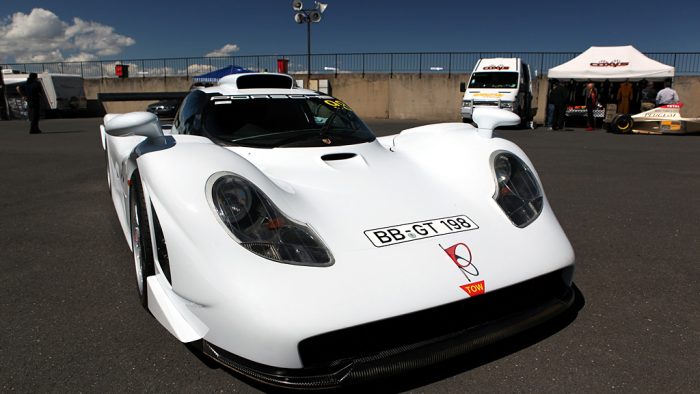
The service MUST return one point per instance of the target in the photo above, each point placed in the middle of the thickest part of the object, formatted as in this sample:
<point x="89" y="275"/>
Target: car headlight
<point x="507" y="104"/>
<point x="517" y="191"/>
<point x="259" y="226"/>
<point x="466" y="103"/>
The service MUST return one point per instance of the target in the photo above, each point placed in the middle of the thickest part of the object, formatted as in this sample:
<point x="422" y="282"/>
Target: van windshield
<point x="494" y="80"/>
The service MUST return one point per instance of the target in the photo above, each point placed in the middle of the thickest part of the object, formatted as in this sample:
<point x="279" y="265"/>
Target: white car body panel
<point x="237" y="300"/>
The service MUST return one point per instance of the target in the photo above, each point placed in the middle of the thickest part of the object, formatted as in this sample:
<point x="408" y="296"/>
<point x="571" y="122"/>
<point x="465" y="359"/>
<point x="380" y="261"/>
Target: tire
<point x="109" y="176"/>
<point x="622" y="124"/>
<point x="525" y="113"/>
<point x="140" y="239"/>
<point x="523" y="119"/>
<point x="523" y="123"/>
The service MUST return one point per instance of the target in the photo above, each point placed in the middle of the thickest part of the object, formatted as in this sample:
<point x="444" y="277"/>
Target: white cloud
<point x="39" y="24"/>
<point x="225" y="50"/>
<point x="194" y="69"/>
<point x="97" y="38"/>
<point x="41" y="36"/>
<point x="81" y="57"/>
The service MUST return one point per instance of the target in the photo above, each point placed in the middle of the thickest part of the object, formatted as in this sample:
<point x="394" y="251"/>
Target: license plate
<point x="401" y="233"/>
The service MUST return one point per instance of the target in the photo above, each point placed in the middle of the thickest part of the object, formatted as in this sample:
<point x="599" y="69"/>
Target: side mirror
<point x="488" y="119"/>
<point x="462" y="87"/>
<point x="143" y="124"/>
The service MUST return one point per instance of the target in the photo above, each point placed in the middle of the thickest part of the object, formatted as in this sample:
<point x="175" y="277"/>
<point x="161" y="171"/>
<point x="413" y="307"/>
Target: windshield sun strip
<point x="269" y="96"/>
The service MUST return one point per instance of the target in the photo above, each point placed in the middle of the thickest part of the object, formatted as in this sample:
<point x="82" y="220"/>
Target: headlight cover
<point x="517" y="191"/>
<point x="466" y="103"/>
<point x="259" y="226"/>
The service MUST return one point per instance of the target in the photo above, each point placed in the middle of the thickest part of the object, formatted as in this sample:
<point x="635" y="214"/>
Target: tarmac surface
<point x="70" y="318"/>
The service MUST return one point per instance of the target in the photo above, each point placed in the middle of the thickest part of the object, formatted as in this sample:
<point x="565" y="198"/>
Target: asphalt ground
<point x="70" y="319"/>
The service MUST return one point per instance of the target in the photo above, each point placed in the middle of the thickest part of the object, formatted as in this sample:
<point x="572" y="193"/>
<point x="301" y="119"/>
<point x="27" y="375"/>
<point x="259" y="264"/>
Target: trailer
<point x="63" y="93"/>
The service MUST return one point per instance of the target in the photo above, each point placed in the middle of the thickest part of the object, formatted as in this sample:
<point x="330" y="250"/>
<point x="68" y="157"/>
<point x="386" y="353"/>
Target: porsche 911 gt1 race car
<point x="666" y="119"/>
<point x="271" y="228"/>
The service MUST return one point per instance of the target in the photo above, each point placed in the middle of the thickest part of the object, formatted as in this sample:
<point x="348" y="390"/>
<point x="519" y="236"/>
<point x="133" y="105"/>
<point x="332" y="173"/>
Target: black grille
<point x="409" y="342"/>
<point x="446" y="320"/>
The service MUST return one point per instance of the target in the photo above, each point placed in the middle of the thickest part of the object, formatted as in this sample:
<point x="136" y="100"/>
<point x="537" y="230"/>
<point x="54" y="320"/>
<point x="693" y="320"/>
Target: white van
<point x="499" y="82"/>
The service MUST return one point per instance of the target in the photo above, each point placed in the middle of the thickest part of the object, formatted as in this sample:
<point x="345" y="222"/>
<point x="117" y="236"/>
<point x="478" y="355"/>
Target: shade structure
<point x="611" y="63"/>
<point x="214" y="76"/>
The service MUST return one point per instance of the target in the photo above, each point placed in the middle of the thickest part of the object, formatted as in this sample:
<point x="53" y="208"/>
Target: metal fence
<point x="686" y="63"/>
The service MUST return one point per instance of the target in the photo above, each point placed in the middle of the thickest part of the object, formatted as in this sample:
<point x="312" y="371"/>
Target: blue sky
<point x="129" y="29"/>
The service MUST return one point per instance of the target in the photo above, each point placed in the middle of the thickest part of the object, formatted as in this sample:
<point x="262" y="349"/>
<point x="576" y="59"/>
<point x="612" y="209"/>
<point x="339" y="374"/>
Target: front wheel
<point x="622" y="123"/>
<point x="140" y="239"/>
<point x="525" y="117"/>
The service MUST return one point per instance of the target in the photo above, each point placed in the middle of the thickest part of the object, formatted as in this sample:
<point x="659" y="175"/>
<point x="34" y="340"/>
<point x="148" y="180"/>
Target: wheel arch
<point x="158" y="241"/>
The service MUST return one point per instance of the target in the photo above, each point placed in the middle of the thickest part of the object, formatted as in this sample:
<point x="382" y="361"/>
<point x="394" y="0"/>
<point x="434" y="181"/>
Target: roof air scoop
<point x="258" y="81"/>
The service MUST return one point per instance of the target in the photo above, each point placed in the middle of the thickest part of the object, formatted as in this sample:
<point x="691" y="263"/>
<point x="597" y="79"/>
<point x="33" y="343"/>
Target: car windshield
<point x="272" y="121"/>
<point x="494" y="80"/>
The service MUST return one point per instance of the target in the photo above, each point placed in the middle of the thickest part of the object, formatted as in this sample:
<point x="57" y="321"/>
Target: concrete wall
<point x="540" y="95"/>
<point x="688" y="89"/>
<point x="431" y="97"/>
<point x="132" y="85"/>
<point x="403" y="96"/>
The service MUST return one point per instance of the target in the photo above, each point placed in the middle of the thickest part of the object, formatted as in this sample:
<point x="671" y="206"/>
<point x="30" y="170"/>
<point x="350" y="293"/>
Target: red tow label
<point x="474" y="289"/>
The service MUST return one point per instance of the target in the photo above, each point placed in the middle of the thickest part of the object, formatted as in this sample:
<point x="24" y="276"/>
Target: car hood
<point x="343" y="191"/>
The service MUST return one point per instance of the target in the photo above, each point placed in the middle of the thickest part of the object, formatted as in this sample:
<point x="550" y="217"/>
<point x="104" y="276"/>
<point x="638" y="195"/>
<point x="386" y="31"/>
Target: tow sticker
<point x="461" y="255"/>
<point x="474" y="289"/>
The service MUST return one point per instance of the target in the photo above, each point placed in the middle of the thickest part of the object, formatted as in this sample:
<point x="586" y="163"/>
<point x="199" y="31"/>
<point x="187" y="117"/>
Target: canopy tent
<point x="214" y="76"/>
<point x="611" y="63"/>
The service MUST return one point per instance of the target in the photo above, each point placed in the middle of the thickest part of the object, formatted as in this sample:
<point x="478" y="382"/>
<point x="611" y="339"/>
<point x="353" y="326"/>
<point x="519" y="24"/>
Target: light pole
<point x="308" y="16"/>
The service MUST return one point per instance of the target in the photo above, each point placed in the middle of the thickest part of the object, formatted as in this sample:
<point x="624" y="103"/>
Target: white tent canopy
<point x="611" y="63"/>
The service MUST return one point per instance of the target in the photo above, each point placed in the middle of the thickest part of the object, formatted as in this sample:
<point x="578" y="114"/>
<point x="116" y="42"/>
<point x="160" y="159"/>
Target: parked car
<point x="273" y="230"/>
<point x="164" y="108"/>
<point x="666" y="119"/>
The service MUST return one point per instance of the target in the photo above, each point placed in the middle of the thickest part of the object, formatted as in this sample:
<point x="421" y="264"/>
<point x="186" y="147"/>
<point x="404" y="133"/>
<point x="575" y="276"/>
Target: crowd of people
<point x="629" y="98"/>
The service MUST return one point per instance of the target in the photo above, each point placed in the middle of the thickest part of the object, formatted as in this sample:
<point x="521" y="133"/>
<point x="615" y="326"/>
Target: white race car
<point x="666" y="119"/>
<point x="271" y="228"/>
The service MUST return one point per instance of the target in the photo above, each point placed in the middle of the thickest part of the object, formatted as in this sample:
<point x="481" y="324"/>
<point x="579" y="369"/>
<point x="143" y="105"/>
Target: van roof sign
<point x="496" y="67"/>
<point x="497" y="64"/>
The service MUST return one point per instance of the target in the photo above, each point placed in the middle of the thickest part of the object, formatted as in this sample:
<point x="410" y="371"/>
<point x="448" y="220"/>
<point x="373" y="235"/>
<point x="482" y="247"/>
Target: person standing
<point x="667" y="95"/>
<point x="648" y="97"/>
<point x="624" y="95"/>
<point x="559" y="97"/>
<point x="591" y="101"/>
<point x="32" y="92"/>
<point x="550" y="106"/>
